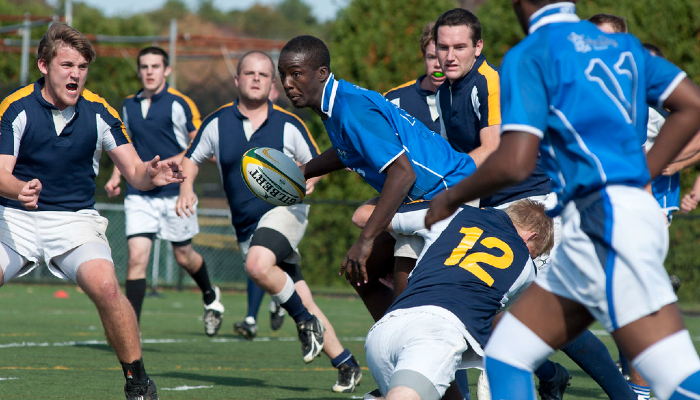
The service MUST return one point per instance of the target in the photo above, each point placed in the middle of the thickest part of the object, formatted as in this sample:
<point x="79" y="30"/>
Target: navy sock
<point x="624" y="364"/>
<point x="593" y="357"/>
<point x="201" y="278"/>
<point x="546" y="371"/>
<point x="135" y="372"/>
<point x="295" y="308"/>
<point x="135" y="292"/>
<point x="344" y="357"/>
<point x="255" y="296"/>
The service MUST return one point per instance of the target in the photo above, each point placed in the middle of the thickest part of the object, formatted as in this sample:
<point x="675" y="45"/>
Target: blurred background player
<point x="52" y="134"/>
<point x="613" y="243"/>
<point x="267" y="235"/>
<point x="161" y="120"/>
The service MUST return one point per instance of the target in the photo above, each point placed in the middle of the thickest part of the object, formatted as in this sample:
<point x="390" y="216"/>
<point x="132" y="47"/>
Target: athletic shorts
<point x="42" y="237"/>
<point x="290" y="221"/>
<point x="419" y="347"/>
<point x="610" y="258"/>
<point x="148" y="215"/>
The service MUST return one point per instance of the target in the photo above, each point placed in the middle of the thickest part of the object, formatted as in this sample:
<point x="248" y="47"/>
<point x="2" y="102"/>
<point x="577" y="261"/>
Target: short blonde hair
<point x="60" y="33"/>
<point x="427" y="36"/>
<point x="532" y="216"/>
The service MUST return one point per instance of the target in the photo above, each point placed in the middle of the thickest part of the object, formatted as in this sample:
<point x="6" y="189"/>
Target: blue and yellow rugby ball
<point x="273" y="176"/>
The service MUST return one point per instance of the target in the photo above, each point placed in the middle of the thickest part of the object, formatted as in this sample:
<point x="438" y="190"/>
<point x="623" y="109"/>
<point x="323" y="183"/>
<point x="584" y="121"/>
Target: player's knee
<point x="256" y="268"/>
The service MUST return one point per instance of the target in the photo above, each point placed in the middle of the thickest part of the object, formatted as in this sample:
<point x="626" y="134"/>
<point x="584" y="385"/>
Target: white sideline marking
<point x="164" y="341"/>
<point x="8" y="379"/>
<point x="182" y="388"/>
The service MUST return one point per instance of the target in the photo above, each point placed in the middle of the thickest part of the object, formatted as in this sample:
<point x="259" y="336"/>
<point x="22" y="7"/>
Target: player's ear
<point x="479" y="47"/>
<point x="323" y="73"/>
<point x="167" y="71"/>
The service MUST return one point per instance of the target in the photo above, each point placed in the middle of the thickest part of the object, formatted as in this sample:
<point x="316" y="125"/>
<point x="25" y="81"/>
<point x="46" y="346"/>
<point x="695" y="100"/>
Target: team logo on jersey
<point x="584" y="44"/>
<point x="580" y="44"/>
<point x="341" y="153"/>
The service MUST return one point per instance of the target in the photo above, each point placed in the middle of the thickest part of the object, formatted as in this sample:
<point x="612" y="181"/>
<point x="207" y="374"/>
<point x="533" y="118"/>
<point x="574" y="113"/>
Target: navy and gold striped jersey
<point x="471" y="264"/>
<point x="418" y="102"/>
<point x="227" y="134"/>
<point x="161" y="129"/>
<point x="64" y="158"/>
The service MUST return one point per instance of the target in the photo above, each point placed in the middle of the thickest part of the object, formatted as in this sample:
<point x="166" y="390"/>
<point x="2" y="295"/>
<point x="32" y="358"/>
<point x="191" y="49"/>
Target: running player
<point x="268" y="236"/>
<point x="161" y="120"/>
<point x="52" y="134"/>
<point x="613" y="240"/>
<point x="473" y="264"/>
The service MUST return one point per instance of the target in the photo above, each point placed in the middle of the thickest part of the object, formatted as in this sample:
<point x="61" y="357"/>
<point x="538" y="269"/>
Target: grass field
<point x="55" y="349"/>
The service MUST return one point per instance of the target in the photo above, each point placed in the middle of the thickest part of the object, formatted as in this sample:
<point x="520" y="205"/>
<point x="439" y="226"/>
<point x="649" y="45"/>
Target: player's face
<point x="153" y="72"/>
<point x="255" y="80"/>
<point x="302" y="84"/>
<point x="432" y="65"/>
<point x="456" y="50"/>
<point x="64" y="77"/>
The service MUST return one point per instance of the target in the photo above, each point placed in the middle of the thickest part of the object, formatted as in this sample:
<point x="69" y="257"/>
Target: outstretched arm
<point x="145" y="175"/>
<point x="512" y="162"/>
<point x="326" y="162"/>
<point x="399" y="179"/>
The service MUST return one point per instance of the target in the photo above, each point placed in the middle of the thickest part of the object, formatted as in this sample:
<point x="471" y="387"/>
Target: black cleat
<point x="245" y="329"/>
<point x="311" y="338"/>
<point x="554" y="388"/>
<point x="213" y="315"/>
<point x="276" y="315"/>
<point x="141" y="392"/>
<point x="348" y="377"/>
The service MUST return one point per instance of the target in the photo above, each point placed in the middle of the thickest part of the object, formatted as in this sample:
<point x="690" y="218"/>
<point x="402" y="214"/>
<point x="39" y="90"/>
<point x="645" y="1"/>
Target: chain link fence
<point x="216" y="242"/>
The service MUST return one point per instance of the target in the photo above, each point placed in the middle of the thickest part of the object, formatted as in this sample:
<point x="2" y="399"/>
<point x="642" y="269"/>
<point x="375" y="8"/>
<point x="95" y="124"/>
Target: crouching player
<point x="472" y="264"/>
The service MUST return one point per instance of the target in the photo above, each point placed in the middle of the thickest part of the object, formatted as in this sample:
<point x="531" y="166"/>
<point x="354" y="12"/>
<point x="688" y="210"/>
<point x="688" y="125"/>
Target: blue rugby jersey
<point x="416" y="101"/>
<point x="223" y="134"/>
<point x="369" y="132"/>
<point x="471" y="104"/>
<point x="65" y="163"/>
<point x="666" y="189"/>
<point x="584" y="93"/>
<point x="163" y="131"/>
<point x="470" y="264"/>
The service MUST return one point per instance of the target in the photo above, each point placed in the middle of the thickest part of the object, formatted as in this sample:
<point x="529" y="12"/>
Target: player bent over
<point x="473" y="263"/>
<point x="52" y="133"/>
<point x="609" y="264"/>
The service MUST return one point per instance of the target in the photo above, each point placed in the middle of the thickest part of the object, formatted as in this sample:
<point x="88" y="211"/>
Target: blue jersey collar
<point x="328" y="98"/>
<point x="156" y="96"/>
<point x="553" y="13"/>
<point x="237" y="112"/>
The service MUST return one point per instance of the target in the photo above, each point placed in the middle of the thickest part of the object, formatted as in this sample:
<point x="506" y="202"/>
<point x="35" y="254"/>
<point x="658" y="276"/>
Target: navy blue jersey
<point x="469" y="265"/>
<point x="227" y="134"/>
<point x="584" y="93"/>
<point x="369" y="132"/>
<point x="416" y="101"/>
<point x="162" y="130"/>
<point x="64" y="157"/>
<point x="471" y="104"/>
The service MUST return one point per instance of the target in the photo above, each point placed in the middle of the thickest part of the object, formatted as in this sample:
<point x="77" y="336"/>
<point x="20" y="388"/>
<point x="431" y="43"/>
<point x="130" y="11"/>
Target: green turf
<point x="55" y="349"/>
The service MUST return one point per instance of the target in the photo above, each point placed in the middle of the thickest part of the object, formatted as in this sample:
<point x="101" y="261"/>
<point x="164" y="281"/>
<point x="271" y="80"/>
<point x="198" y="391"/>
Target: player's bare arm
<point x="112" y="186"/>
<point x="512" y="162"/>
<point x="681" y="124"/>
<point x="490" y="137"/>
<point x="326" y="162"/>
<point x="145" y="175"/>
<point x="12" y="188"/>
<point x="184" y="207"/>
<point x="399" y="179"/>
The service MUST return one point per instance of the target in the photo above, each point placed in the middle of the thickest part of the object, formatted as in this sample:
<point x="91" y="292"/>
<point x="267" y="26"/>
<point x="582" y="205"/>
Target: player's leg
<point x="139" y="247"/>
<point x="248" y="328"/>
<point x="12" y="264"/>
<point x="90" y="266"/>
<point x="375" y="295"/>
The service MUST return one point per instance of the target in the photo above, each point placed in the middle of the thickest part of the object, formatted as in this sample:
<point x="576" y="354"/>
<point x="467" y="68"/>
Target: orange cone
<point x="61" y="294"/>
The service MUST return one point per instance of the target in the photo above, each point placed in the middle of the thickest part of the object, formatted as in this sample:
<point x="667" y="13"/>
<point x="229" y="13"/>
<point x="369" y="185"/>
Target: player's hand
<point x="671" y="169"/>
<point x="112" y="186"/>
<point x="165" y="172"/>
<point x="311" y="184"/>
<point x="688" y="203"/>
<point x="440" y="208"/>
<point x="29" y="195"/>
<point x="185" y="204"/>
<point x="354" y="265"/>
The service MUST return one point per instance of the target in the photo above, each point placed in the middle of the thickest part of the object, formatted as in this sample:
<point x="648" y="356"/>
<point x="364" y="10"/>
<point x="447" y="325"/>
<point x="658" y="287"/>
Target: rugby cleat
<point x="555" y="387"/>
<point x="276" y="315"/>
<point x="348" y="377"/>
<point x="245" y="328"/>
<point x="141" y="392"/>
<point x="213" y="314"/>
<point x="311" y="338"/>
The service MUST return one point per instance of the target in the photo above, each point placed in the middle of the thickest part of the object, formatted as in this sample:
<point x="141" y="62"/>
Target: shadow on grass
<point x="230" y="381"/>
<point x="576" y="391"/>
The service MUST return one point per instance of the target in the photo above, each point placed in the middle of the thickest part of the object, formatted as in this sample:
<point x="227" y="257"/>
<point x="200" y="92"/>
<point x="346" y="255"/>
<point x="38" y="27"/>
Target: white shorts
<point x="408" y="246"/>
<point x="43" y="237"/>
<point x="145" y="214"/>
<point x="429" y="342"/>
<point x="290" y="221"/>
<point x="611" y="255"/>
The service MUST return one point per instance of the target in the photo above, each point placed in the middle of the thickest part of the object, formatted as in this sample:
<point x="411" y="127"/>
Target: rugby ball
<point x="273" y="176"/>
